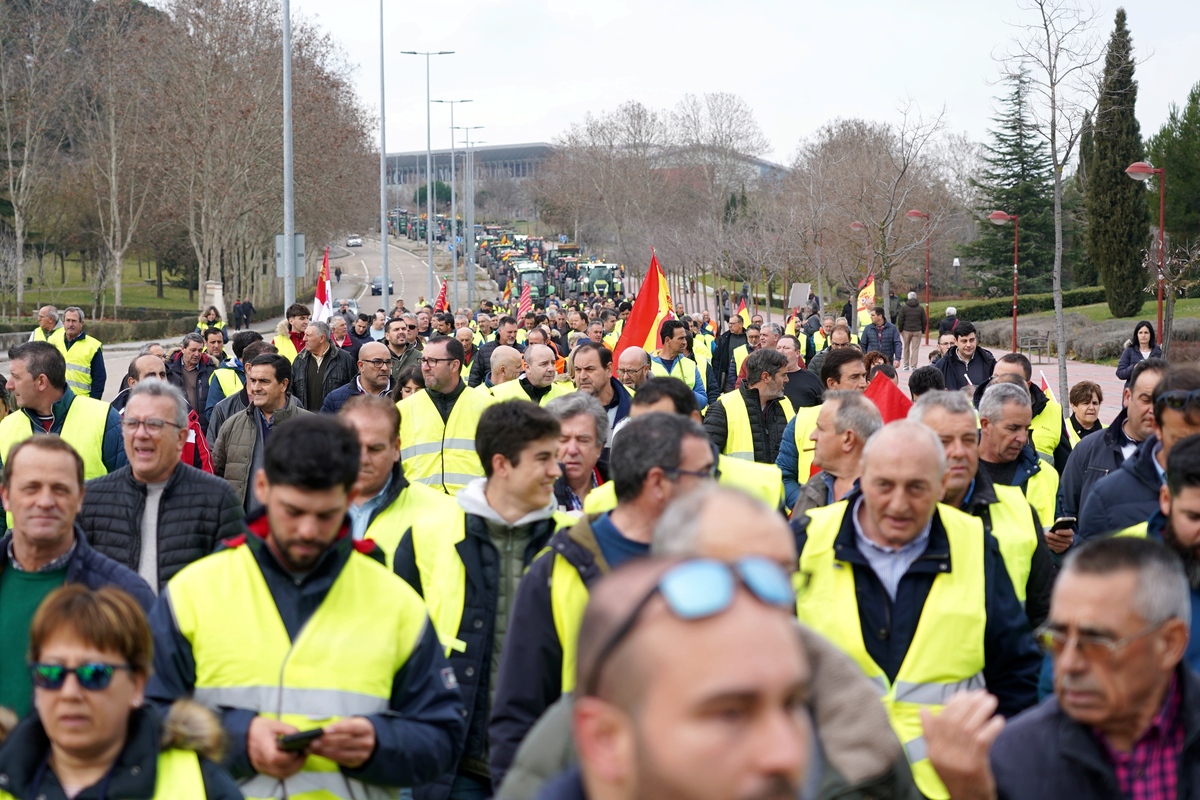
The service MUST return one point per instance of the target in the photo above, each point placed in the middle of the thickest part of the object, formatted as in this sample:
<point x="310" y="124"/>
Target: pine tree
<point x="1117" y="216"/>
<point x="1017" y="180"/>
<point x="1176" y="148"/>
<point x="1082" y="268"/>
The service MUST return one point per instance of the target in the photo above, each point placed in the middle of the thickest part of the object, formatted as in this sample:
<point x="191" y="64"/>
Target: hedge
<point x="1000" y="308"/>
<point x="177" y="323"/>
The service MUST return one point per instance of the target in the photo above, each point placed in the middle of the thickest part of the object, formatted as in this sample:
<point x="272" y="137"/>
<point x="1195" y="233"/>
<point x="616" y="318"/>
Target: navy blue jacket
<point x="417" y="739"/>
<point x="1126" y="497"/>
<point x="1011" y="659"/>
<point x="95" y="570"/>
<point x="567" y="786"/>
<point x="338" y="397"/>
<point x="1131" y="357"/>
<point x="1092" y="459"/>
<point x="1045" y="755"/>
<point x="886" y="340"/>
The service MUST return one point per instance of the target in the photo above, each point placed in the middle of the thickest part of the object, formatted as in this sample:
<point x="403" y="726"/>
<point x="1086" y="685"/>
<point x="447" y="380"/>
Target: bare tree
<point x="1057" y="45"/>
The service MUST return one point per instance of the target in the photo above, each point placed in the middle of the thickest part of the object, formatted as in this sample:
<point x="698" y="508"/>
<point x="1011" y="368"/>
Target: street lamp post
<point x="1001" y="218"/>
<point x="469" y="199"/>
<point x="428" y="155"/>
<point x="453" y="203"/>
<point x="289" y="202"/>
<point x="914" y="214"/>
<point x="1141" y="171"/>
<point x="383" y="209"/>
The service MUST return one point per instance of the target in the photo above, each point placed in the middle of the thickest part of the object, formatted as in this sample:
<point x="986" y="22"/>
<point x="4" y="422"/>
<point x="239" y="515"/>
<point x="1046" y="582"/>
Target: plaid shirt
<point x="1150" y="771"/>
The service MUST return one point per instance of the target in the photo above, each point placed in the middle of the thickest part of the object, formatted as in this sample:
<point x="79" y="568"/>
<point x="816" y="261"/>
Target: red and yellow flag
<point x="650" y="309"/>
<point x="744" y="313"/>
<point x="866" y="300"/>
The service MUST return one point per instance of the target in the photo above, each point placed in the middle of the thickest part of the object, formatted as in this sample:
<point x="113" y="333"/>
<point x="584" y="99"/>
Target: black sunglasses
<point x="93" y="677"/>
<point x="1178" y="400"/>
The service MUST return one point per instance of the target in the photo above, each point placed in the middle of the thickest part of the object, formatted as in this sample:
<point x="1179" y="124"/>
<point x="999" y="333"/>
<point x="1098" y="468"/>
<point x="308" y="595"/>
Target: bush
<point x="1001" y="308"/>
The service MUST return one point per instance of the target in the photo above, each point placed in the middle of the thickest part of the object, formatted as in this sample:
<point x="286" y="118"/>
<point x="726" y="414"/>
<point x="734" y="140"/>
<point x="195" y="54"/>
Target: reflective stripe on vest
<point x="739" y="439"/>
<point x="314" y="785"/>
<point x="228" y="379"/>
<point x="806" y="423"/>
<point x="1012" y="526"/>
<point x="683" y="368"/>
<point x="440" y="454"/>
<point x="283" y="343"/>
<point x="79" y="359"/>
<point x="40" y="335"/>
<point x="416" y="505"/>
<point x="1140" y="531"/>
<point x="946" y="654"/>
<point x="512" y="390"/>
<point x="83" y="428"/>
<point x="1047" y="428"/>
<point x="337" y="666"/>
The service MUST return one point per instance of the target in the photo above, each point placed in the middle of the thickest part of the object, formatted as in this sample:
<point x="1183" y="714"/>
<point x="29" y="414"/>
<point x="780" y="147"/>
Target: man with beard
<point x="1177" y="523"/>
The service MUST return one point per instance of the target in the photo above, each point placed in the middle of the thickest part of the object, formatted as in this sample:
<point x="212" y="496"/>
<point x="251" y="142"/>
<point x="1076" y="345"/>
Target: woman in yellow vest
<point x="211" y="319"/>
<point x="1085" y="399"/>
<point x="90" y="652"/>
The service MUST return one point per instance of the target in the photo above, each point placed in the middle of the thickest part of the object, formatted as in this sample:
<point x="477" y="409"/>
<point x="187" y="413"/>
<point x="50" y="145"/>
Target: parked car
<point x="354" y="240"/>
<point x="377" y="285"/>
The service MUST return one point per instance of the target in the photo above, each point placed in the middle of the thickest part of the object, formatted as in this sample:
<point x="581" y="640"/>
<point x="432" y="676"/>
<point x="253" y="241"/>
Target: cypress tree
<point x="1082" y="268"/>
<point x="1117" y="216"/>
<point x="1176" y="148"/>
<point x="1016" y="179"/>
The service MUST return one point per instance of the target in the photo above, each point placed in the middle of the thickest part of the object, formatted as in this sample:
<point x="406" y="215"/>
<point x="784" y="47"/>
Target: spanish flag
<point x="651" y="307"/>
<point x="866" y="300"/>
<point x="744" y="312"/>
<point x="790" y="328"/>
<point x="507" y="299"/>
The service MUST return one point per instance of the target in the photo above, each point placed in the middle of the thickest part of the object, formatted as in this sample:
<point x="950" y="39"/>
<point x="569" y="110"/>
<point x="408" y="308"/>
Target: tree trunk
<point x="1060" y="326"/>
<point x="158" y="279"/>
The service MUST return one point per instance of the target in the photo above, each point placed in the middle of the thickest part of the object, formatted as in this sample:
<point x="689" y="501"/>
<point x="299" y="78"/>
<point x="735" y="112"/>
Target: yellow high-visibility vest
<point x="79" y="359"/>
<point x="441" y="455"/>
<point x="283" y="343"/>
<point x="177" y="776"/>
<point x="1074" y="438"/>
<point x="416" y="506"/>
<point x="739" y="440"/>
<point x="684" y="368"/>
<point x="228" y="379"/>
<point x="1047" y="429"/>
<point x="83" y="429"/>
<point x="946" y="654"/>
<point x="339" y="665"/>
<point x="512" y="390"/>
<point x="762" y="481"/>
<point x="806" y="423"/>
<point x="1012" y="526"/>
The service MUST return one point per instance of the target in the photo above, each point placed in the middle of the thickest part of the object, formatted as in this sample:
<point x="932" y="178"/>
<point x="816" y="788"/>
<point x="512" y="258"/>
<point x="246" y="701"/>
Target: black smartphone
<point x="295" y="742"/>
<point x="1063" y="523"/>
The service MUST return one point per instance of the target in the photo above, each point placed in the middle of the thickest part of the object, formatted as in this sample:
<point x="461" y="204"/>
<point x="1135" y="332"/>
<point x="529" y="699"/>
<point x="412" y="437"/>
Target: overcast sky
<point x="532" y="67"/>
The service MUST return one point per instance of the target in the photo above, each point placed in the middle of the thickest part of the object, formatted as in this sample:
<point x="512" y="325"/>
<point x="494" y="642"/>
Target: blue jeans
<point x="466" y="787"/>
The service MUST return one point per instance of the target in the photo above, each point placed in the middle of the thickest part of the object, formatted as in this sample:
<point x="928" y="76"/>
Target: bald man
<point x="633" y="367"/>
<point x="374" y="377"/>
<point x="915" y="591"/>
<point x="537" y="384"/>
<point x="857" y="743"/>
<point x="506" y="366"/>
<point x="48" y="322"/>
<point x="688" y="708"/>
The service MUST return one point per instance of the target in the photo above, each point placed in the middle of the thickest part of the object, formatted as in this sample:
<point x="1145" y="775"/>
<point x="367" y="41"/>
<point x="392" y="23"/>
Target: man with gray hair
<point x="190" y="370"/>
<point x="83" y="354"/>
<point x="48" y="323"/>
<point x="1008" y="459"/>
<point x="1003" y="510"/>
<point x="320" y="368"/>
<point x="157" y="515"/>
<point x="914" y="591"/>
<point x="196" y="450"/>
<point x="585" y="432"/>
<point x="748" y="423"/>
<point x="1124" y="719"/>
<point x="844" y="424"/>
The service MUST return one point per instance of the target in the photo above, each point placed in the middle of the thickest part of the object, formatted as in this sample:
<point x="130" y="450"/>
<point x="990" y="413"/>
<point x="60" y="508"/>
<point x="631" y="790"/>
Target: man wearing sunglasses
<point x="1124" y="720"/>
<point x="654" y="459"/>
<point x="914" y="591"/>
<point x="1130" y="495"/>
<point x="45" y="548"/>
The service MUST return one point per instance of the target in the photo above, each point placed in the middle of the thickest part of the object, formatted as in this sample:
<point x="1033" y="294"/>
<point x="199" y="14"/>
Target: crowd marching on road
<point x="543" y="552"/>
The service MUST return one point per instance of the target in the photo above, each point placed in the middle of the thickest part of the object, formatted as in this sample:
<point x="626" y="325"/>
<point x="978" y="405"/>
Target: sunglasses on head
<point x="93" y="677"/>
<point x="1178" y="400"/>
<point x="699" y="589"/>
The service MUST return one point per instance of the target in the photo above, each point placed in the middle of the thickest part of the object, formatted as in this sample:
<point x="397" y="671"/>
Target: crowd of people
<point x="475" y="554"/>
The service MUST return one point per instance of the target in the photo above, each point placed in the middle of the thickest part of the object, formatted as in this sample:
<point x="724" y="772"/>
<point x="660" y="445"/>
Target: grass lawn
<point x="137" y="292"/>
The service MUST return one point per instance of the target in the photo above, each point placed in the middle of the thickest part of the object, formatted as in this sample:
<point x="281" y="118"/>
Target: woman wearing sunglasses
<point x="90" y="737"/>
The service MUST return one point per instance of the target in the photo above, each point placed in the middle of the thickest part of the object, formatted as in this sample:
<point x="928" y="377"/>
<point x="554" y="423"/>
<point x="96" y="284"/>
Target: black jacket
<point x="766" y="424"/>
<point x="482" y="365"/>
<point x="1131" y="357"/>
<point x="947" y="325"/>
<point x="1092" y="459"/>
<point x="204" y="371"/>
<point x="95" y="570"/>
<point x="1045" y="755"/>
<point x="340" y="371"/>
<point x="195" y="513"/>
<point x="1011" y="659"/>
<point x="473" y="668"/>
<point x="957" y="373"/>
<point x="26" y="750"/>
<point x="1124" y="498"/>
<point x="727" y="342"/>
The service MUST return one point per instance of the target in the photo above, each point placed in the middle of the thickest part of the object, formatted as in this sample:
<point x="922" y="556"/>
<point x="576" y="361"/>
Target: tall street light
<point x="469" y="200"/>
<point x="428" y="155"/>
<point x="914" y="214"/>
<point x="383" y="209"/>
<point x="1001" y="218"/>
<point x="289" y="202"/>
<point x="454" y="249"/>
<point x="1141" y="171"/>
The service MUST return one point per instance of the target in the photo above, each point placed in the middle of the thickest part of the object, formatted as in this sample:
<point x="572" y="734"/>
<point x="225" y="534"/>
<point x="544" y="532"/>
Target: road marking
<point x="367" y="274"/>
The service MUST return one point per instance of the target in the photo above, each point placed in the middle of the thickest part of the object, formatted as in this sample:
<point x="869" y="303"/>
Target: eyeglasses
<point x="377" y="363"/>
<point x="1178" y="400"/>
<point x="713" y="471"/>
<point x="433" y="362"/>
<point x="837" y="345"/>
<point x="93" y="677"/>
<point x="411" y="327"/>
<point x="1093" y="646"/>
<point x="631" y="370"/>
<point x="700" y="589"/>
<point x="154" y="426"/>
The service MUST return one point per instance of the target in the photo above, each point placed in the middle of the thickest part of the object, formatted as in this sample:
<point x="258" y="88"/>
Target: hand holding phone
<point x="1064" y="523"/>
<point x="295" y="742"/>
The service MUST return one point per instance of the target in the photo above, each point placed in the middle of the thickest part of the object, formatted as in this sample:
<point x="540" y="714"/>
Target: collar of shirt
<point x="360" y="515"/>
<point x="361" y="390"/>
<point x="57" y="563"/>
<point x="1162" y="473"/>
<point x="889" y="564"/>
<point x="966" y="361"/>
<point x="1164" y="733"/>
